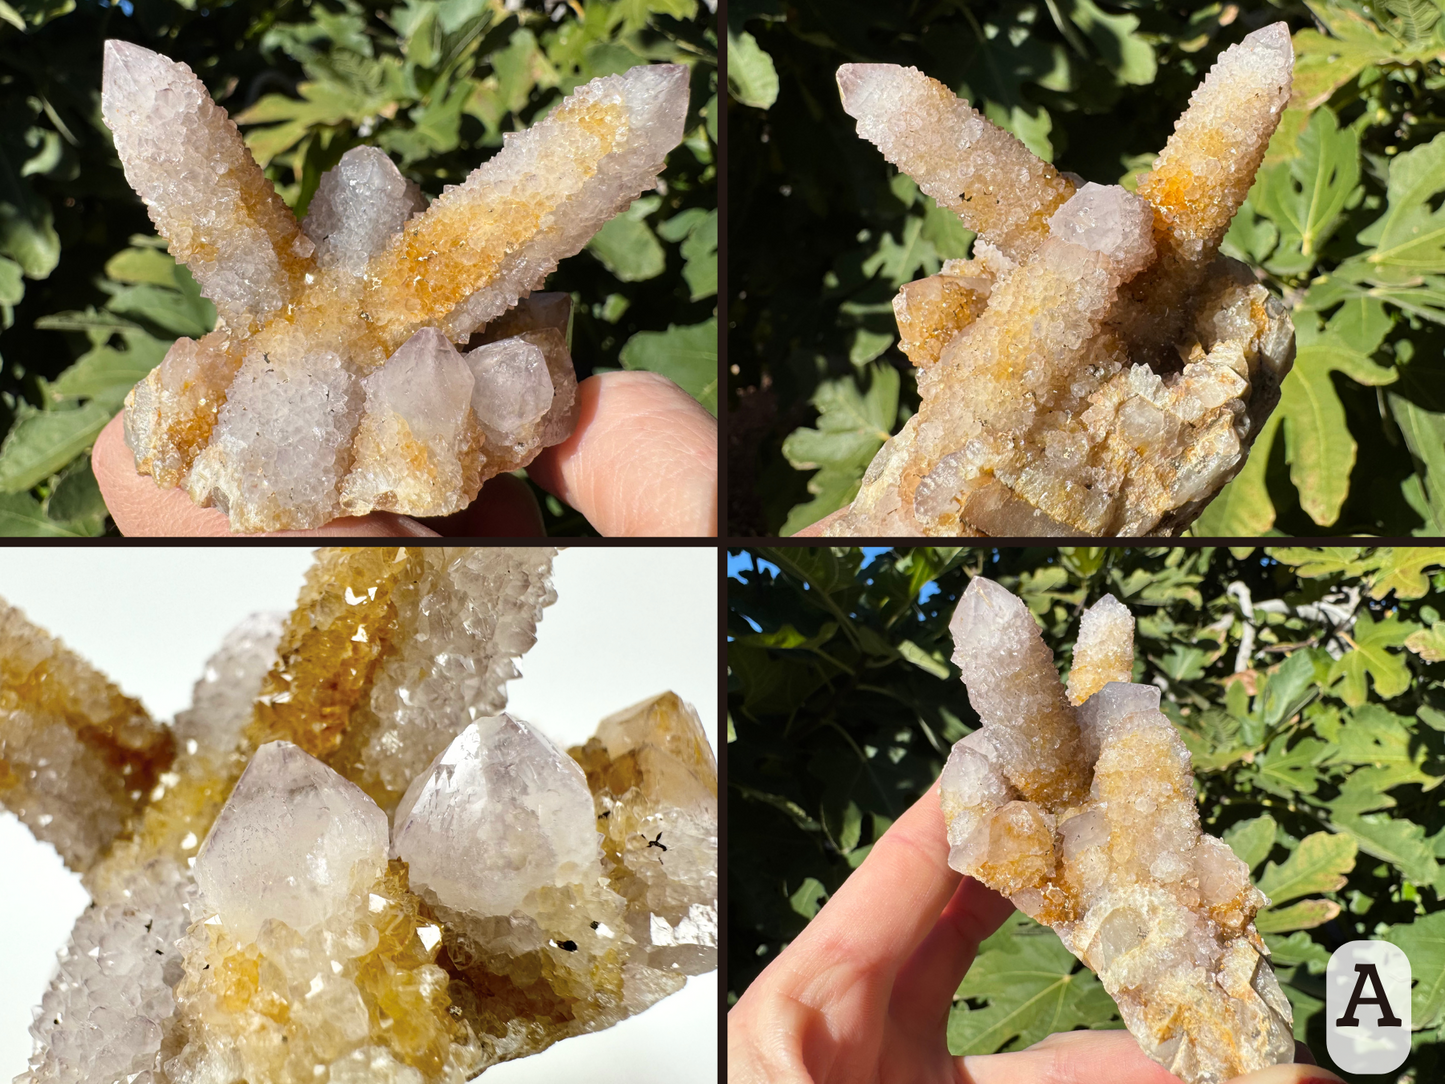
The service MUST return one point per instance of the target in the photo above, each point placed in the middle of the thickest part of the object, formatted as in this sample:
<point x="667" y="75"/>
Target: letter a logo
<point x="1367" y="1005"/>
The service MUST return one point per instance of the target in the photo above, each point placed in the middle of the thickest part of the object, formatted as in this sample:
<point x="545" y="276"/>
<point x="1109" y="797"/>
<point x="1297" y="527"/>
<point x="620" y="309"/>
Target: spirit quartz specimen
<point x="1078" y="804"/>
<point x="334" y="383"/>
<point x="1096" y="368"/>
<point x="344" y="862"/>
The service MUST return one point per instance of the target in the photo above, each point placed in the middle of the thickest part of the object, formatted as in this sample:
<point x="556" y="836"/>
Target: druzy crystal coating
<point x="354" y="365"/>
<point x="1096" y="368"/>
<point x="257" y="916"/>
<point x="1078" y="804"/>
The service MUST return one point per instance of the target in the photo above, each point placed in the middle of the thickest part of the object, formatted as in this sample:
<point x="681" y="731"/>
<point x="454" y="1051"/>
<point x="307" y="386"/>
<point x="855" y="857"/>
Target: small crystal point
<point x="359" y="205"/>
<point x="505" y="793"/>
<point x="294" y="842"/>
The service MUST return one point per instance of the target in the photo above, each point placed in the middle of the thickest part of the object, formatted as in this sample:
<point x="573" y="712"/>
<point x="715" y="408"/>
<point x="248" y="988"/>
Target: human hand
<point x="863" y="994"/>
<point x="642" y="461"/>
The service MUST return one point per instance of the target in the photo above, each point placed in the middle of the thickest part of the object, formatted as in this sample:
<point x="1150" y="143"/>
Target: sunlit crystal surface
<point x="332" y="384"/>
<point x="249" y="923"/>
<point x="1096" y="368"/>
<point x="1081" y="809"/>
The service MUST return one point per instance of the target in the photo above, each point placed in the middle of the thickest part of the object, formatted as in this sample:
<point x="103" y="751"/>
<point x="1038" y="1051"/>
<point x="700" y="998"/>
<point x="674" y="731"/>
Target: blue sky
<point x="739" y="563"/>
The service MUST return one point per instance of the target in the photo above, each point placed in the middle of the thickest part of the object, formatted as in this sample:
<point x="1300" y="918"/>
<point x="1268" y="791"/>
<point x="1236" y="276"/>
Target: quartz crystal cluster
<point x="344" y="862"/>
<point x="1096" y="368"/>
<point x="1078" y="804"/>
<point x="374" y="355"/>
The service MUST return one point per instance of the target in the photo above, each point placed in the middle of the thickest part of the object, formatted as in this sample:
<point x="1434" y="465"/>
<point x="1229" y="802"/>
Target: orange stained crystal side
<point x="334" y="642"/>
<point x="465" y="238"/>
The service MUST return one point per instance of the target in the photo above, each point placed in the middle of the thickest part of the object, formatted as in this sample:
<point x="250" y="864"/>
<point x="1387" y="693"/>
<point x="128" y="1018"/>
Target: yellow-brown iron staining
<point x="466" y="237"/>
<point x="79" y="759"/>
<point x="333" y="644"/>
<point x="258" y="999"/>
<point x="932" y="311"/>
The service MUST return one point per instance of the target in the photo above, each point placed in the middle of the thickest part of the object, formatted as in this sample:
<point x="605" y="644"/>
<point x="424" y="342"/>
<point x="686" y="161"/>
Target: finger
<point x="886" y="908"/>
<point x="924" y="989"/>
<point x="1072" y="1057"/>
<point x="1289" y="1074"/>
<point x="1087" y="1057"/>
<point x="642" y="460"/>
<point x="142" y="508"/>
<point x="815" y="530"/>
<point x="505" y="508"/>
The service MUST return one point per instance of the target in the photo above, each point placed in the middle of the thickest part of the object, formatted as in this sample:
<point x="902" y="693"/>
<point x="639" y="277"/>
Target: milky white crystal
<point x="333" y="383"/>
<point x="1081" y="809"/>
<point x="1095" y="368"/>
<point x="293" y="843"/>
<point x="507" y="790"/>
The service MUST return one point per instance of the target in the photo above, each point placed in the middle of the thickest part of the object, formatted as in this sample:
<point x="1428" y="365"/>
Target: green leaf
<point x="106" y="374"/>
<point x="932" y="663"/>
<point x="22" y="517"/>
<point x="43" y="441"/>
<point x="626" y="244"/>
<point x="1253" y="839"/>
<point x="899" y="261"/>
<point x="1385" y="743"/>
<point x="852" y="425"/>
<point x="136" y="265"/>
<point x="685" y="355"/>
<point x="1288" y="771"/>
<point x="809" y="898"/>
<point x="1402" y="569"/>
<point x="1320" y="450"/>
<point x="1297" y="948"/>
<point x="1371" y="658"/>
<point x="1305" y="915"/>
<point x="12" y="289"/>
<point x="1306" y="196"/>
<point x="1034" y="987"/>
<point x="1124" y="52"/>
<point x="1429" y="643"/>
<point x="1424" y="434"/>
<point x="76" y="501"/>
<point x="752" y="79"/>
<point x="1318" y="864"/>
<point x="1243" y="508"/>
<point x="1397" y="841"/>
<point x="1423" y="942"/>
<point x="1409" y="238"/>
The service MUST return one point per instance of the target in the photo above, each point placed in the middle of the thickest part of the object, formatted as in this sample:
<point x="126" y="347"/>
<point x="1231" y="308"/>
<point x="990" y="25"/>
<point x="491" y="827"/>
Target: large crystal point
<point x="320" y="393"/>
<point x="294" y="843"/>
<point x="1085" y="817"/>
<point x="204" y="191"/>
<point x="1096" y="368"/>
<point x="505" y="789"/>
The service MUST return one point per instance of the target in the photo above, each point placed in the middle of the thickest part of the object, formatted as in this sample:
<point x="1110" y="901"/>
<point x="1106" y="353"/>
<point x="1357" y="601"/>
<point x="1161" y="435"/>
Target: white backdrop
<point x="627" y="624"/>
